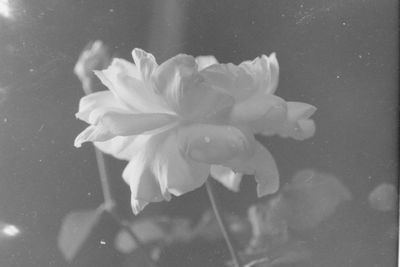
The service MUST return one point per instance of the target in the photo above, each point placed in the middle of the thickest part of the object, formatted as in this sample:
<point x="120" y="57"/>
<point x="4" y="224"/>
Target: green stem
<point x="222" y="223"/>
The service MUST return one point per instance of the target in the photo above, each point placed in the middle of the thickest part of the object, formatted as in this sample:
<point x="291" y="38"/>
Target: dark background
<point x="341" y="56"/>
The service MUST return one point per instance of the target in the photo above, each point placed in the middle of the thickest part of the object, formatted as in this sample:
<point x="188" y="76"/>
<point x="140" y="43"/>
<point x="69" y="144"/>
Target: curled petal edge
<point x="226" y="177"/>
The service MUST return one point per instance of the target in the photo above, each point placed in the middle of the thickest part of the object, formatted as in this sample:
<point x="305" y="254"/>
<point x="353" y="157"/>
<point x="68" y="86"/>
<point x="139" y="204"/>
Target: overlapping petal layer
<point x="215" y="144"/>
<point x="180" y="121"/>
<point x="226" y="176"/>
<point x="253" y="84"/>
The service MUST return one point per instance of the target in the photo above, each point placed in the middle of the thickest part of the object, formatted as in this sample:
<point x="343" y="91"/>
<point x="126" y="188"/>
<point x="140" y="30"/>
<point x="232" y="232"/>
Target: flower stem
<point x="109" y="201"/>
<point x="222" y="223"/>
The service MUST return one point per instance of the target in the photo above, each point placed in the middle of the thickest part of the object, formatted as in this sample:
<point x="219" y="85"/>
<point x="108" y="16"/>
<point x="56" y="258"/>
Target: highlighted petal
<point x="264" y="112"/>
<point x="133" y="124"/>
<point x="273" y="66"/>
<point x="173" y="77"/>
<point x="145" y="62"/>
<point x="91" y="102"/>
<point x="265" y="72"/>
<point x="205" y="61"/>
<point x="138" y="205"/>
<point x="214" y="144"/>
<point x="299" y="110"/>
<point x="144" y="185"/>
<point x="124" y="80"/>
<point x="226" y="176"/>
<point x="176" y="174"/>
<point x="93" y="133"/>
<point x="186" y="92"/>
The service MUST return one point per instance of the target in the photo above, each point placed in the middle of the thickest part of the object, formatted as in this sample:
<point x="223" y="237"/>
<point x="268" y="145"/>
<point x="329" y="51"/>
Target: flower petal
<point x="260" y="75"/>
<point x="177" y="175"/>
<point x="272" y="85"/>
<point x="262" y="165"/>
<point x="121" y="147"/>
<point x="93" y="133"/>
<point x="298" y="126"/>
<point x="300" y="130"/>
<point x="172" y="76"/>
<point x="94" y="101"/>
<point x="201" y="102"/>
<point x="205" y="61"/>
<point x="299" y="110"/>
<point x="263" y="112"/>
<point x="145" y="62"/>
<point x="226" y="176"/>
<point x="265" y="72"/>
<point x="230" y="79"/>
<point x="214" y="144"/>
<point x="266" y="172"/>
<point x="144" y="185"/>
<point x="133" y="124"/>
<point x="184" y="90"/>
<point x="124" y="80"/>
<point x="138" y="205"/>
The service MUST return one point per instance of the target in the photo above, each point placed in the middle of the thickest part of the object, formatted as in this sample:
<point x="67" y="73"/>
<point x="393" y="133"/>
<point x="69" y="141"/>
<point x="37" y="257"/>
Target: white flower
<point x="166" y="121"/>
<point x="177" y="121"/>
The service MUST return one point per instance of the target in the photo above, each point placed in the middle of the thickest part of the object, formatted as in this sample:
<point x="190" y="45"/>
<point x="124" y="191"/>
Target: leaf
<point x="291" y="252"/>
<point x="383" y="197"/>
<point x="76" y="228"/>
<point x="155" y="230"/>
<point x="164" y="231"/>
<point x="312" y="197"/>
<point x="208" y="228"/>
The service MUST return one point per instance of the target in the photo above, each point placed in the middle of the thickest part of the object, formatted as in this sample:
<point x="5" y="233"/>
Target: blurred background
<point x="338" y="55"/>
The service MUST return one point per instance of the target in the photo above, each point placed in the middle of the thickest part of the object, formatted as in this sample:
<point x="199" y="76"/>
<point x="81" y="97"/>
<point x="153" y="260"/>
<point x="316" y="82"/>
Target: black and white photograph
<point x="190" y="133"/>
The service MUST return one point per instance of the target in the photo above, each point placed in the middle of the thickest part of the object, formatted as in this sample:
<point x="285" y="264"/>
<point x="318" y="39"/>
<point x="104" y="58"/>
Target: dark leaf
<point x="290" y="252"/>
<point x="312" y="197"/>
<point x="76" y="228"/>
<point x="155" y="230"/>
<point x="165" y="231"/>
